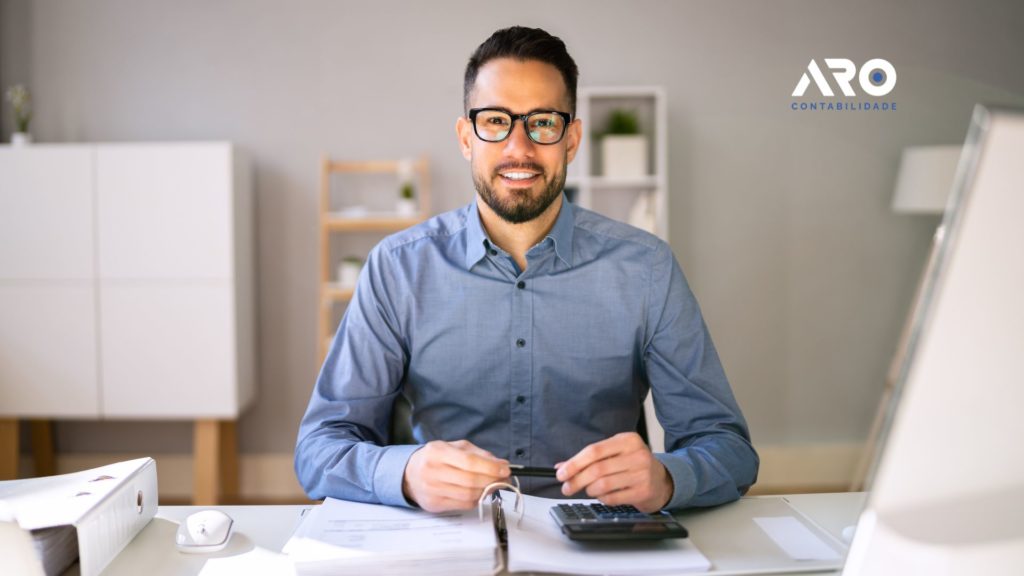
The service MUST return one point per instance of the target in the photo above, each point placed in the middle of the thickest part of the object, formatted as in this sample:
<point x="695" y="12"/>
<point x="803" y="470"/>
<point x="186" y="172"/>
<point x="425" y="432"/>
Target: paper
<point x="795" y="539"/>
<point x="537" y="544"/>
<point x="351" y="537"/>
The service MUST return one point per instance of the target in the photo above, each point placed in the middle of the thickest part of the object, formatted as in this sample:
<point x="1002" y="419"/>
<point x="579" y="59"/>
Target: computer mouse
<point x="204" y="531"/>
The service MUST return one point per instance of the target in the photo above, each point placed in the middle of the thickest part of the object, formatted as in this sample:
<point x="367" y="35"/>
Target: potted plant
<point x="21" y="102"/>
<point x="623" y="147"/>
<point x="406" y="205"/>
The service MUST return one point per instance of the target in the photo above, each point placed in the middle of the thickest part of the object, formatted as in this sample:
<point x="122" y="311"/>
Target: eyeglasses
<point x="543" y="127"/>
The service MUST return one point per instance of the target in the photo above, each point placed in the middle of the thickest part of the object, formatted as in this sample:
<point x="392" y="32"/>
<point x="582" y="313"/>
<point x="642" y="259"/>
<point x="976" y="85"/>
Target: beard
<point x="520" y="206"/>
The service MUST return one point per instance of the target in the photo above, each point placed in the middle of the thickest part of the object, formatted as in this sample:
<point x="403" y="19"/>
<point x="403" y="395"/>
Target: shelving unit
<point x="334" y="222"/>
<point x="615" y="196"/>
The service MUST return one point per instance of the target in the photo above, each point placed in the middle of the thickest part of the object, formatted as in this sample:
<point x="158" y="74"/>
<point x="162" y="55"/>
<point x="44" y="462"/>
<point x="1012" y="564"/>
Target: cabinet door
<point x="48" y="349"/>
<point x="46" y="213"/>
<point x="168" y="349"/>
<point x="164" y="211"/>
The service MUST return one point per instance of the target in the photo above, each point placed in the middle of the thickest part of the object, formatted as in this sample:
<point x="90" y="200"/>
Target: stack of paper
<point x="57" y="546"/>
<point x="537" y="544"/>
<point x="342" y="537"/>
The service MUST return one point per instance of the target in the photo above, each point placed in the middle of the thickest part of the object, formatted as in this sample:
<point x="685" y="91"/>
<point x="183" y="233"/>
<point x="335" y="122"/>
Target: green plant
<point x="622" y="122"/>
<point x="21" y="102"/>
<point x="408" y="191"/>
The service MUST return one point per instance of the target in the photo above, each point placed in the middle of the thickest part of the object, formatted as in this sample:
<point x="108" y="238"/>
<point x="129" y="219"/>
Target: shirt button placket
<point x="521" y="373"/>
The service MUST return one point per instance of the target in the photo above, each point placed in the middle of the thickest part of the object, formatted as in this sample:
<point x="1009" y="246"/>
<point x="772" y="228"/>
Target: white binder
<point x="107" y="506"/>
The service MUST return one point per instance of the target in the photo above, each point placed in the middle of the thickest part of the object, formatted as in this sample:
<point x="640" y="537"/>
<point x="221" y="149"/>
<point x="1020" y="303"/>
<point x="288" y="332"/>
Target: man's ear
<point x="464" y="132"/>
<point x="573" y="134"/>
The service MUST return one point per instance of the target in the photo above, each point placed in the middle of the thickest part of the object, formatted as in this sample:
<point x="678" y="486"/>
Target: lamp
<point x="925" y="179"/>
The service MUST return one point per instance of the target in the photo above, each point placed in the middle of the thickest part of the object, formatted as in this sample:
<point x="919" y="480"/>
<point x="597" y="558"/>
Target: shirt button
<point x="520" y="398"/>
<point x="520" y="452"/>
<point x="520" y="343"/>
<point x="494" y="252"/>
<point x="521" y="285"/>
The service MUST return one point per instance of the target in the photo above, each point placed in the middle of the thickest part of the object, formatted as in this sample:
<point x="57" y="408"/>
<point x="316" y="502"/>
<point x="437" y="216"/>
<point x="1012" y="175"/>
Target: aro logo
<point x="877" y="77"/>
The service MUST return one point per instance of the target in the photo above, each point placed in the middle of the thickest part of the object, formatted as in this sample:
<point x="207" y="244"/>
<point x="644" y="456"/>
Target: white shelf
<point x="611" y="195"/>
<point x="606" y="183"/>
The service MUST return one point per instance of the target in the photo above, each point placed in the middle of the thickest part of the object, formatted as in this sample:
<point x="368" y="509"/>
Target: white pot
<point x="624" y="156"/>
<point x="348" y="274"/>
<point x="407" y="207"/>
<point x="21" y="139"/>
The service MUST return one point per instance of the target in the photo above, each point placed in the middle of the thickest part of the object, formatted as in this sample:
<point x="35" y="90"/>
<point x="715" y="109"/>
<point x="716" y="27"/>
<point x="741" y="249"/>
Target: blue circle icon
<point x="877" y="77"/>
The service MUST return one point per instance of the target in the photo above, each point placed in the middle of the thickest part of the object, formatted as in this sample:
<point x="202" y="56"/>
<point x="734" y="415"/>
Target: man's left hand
<point x="619" y="470"/>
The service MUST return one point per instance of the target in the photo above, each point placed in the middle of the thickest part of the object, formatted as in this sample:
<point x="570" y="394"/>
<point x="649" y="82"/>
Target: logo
<point x="877" y="77"/>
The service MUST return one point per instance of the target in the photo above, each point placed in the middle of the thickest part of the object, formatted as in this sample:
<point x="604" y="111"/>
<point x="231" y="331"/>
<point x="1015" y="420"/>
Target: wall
<point x="780" y="219"/>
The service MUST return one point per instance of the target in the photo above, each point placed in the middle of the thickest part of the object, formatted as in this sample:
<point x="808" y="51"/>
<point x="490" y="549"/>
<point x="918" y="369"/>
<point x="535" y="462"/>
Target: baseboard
<point x="270" y="477"/>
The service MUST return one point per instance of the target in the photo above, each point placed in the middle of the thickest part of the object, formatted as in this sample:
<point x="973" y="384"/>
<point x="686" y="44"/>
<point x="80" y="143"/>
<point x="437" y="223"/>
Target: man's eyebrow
<point x="503" y="109"/>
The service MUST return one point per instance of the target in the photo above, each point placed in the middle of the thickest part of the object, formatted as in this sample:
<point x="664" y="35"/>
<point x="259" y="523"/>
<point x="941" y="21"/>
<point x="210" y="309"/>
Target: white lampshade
<point x="925" y="179"/>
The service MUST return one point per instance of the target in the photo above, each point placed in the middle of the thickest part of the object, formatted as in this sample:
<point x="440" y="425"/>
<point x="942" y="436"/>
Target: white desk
<point x="261" y="532"/>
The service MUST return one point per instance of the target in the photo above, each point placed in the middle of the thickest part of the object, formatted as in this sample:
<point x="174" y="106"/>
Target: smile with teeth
<point x="519" y="176"/>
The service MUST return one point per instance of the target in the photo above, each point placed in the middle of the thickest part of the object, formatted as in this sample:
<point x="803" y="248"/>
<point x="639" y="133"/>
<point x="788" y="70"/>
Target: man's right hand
<point x="444" y="476"/>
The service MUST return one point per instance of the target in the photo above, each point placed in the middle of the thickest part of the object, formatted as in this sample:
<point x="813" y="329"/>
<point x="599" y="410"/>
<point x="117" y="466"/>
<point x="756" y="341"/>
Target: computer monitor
<point x="947" y="489"/>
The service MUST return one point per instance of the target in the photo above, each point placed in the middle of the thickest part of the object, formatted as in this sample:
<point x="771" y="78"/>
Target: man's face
<point x="518" y="178"/>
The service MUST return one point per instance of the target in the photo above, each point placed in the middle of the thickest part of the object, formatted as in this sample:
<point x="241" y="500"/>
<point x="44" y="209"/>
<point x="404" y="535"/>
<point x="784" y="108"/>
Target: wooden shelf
<point x="337" y="223"/>
<point x="334" y="223"/>
<point x="334" y="292"/>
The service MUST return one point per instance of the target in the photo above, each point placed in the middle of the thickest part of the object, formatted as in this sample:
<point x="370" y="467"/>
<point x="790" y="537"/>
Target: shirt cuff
<point x="387" y="478"/>
<point x="684" y="480"/>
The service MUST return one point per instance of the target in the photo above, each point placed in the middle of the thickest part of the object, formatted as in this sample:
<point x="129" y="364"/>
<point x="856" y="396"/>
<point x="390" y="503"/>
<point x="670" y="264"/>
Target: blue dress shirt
<point x="531" y="365"/>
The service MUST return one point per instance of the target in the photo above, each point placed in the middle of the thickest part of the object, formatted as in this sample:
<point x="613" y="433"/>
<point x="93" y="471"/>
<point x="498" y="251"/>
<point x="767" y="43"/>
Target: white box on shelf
<point x="624" y="156"/>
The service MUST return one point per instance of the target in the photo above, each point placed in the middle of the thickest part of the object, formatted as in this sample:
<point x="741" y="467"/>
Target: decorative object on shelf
<point x="21" y="102"/>
<point x="348" y="271"/>
<point x="623" y="147"/>
<point x="406" y="206"/>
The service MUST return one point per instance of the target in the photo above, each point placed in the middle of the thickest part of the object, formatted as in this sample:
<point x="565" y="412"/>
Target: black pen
<point x="532" y="471"/>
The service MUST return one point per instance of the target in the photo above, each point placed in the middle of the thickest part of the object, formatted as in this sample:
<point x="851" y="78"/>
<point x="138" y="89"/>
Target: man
<point x="523" y="329"/>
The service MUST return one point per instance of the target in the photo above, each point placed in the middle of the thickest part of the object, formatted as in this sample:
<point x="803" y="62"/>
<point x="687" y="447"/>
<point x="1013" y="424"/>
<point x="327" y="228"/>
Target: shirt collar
<point x="561" y="234"/>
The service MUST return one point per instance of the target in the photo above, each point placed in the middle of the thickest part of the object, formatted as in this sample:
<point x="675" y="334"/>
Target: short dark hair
<point x="523" y="44"/>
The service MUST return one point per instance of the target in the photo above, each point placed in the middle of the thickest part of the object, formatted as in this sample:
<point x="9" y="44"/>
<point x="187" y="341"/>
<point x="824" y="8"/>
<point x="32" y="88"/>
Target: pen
<point x="532" y="471"/>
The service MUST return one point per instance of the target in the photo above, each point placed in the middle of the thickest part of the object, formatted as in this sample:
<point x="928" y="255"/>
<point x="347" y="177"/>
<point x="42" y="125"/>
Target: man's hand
<point x="619" y="470"/>
<point x="444" y="476"/>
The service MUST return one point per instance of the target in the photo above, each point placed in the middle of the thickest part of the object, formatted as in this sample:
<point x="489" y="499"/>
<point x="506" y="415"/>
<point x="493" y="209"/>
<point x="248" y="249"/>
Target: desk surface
<point x="261" y="532"/>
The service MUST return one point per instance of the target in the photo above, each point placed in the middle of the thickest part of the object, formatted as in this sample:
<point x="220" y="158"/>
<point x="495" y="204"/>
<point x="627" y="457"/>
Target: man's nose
<point x="518" y="144"/>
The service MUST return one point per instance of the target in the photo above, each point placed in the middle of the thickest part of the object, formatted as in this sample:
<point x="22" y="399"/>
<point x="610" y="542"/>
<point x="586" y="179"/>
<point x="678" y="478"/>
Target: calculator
<point x="600" y="522"/>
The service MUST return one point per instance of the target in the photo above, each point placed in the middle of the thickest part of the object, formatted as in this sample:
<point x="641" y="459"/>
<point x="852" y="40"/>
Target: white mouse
<point x="204" y="531"/>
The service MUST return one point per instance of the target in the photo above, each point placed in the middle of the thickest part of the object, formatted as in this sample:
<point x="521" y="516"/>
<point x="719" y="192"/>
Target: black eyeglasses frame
<point x="566" y="117"/>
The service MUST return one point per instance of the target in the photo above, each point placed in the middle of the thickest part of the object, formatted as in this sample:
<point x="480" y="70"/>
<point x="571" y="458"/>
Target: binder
<point x="341" y="538"/>
<point x="105" y="506"/>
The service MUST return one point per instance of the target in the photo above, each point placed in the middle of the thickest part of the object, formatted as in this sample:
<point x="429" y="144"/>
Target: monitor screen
<point x="946" y="487"/>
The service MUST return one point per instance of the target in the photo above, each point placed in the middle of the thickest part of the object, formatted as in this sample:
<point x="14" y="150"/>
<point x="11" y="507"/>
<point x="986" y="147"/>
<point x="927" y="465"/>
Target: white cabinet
<point x="126" y="281"/>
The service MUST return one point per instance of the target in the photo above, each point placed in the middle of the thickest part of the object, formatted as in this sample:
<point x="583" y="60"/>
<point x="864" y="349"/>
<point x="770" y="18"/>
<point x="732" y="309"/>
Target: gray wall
<point x="781" y="220"/>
